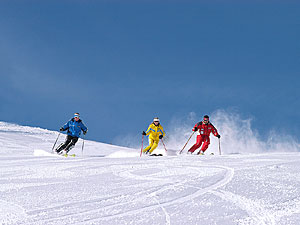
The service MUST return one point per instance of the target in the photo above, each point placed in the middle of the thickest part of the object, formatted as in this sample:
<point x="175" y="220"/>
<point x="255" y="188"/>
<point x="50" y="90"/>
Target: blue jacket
<point x="74" y="128"/>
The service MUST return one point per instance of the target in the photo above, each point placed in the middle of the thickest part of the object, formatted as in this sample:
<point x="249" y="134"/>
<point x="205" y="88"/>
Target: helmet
<point x="206" y="117"/>
<point x="156" y="119"/>
<point x="76" y="115"/>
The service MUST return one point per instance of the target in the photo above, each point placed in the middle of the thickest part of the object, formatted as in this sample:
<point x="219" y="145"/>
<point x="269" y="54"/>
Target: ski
<point x="67" y="155"/>
<point x="40" y="152"/>
<point x="156" y="155"/>
<point x="204" y="154"/>
<point x="64" y="155"/>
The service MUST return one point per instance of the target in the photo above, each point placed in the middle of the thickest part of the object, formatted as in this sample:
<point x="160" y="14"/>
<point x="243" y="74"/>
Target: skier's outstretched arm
<point x="65" y="127"/>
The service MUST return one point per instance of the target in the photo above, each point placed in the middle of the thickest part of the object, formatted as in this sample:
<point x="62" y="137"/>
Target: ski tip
<point x="67" y="155"/>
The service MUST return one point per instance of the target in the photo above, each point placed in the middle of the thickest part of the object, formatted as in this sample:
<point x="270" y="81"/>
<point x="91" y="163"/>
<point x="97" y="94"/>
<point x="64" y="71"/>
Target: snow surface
<point x="112" y="185"/>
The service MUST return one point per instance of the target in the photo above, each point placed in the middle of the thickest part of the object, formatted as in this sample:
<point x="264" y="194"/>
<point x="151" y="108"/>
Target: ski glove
<point x="144" y="133"/>
<point x="195" y="129"/>
<point x="161" y="136"/>
<point x="61" y="129"/>
<point x="218" y="136"/>
<point x="84" y="132"/>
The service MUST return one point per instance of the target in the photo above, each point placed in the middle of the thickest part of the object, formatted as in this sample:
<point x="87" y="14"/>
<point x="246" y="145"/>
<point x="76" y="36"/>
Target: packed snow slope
<point x="113" y="185"/>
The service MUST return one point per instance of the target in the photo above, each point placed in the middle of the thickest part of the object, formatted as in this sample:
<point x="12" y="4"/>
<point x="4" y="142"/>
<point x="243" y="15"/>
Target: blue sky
<point x="121" y="64"/>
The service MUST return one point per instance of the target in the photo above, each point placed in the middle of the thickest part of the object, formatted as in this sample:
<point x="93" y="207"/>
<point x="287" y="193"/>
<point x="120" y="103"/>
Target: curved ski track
<point x="228" y="175"/>
<point x="163" y="178"/>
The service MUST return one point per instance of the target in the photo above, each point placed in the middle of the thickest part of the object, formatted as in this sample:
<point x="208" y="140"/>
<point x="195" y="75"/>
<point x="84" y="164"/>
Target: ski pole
<point x="55" y="142"/>
<point x="142" y="145"/>
<point x="219" y="146"/>
<point x="187" y="142"/>
<point x="164" y="145"/>
<point x="82" y="145"/>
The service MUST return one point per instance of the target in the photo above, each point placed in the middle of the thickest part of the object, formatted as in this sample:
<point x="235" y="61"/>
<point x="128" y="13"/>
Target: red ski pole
<point x="186" y="142"/>
<point x="142" y="145"/>
<point x="164" y="145"/>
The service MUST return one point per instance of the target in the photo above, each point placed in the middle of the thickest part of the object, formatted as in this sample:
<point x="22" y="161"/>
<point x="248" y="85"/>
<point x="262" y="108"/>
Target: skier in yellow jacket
<point x="155" y="132"/>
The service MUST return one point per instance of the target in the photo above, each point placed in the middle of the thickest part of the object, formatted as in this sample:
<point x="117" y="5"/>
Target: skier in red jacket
<point x="205" y="128"/>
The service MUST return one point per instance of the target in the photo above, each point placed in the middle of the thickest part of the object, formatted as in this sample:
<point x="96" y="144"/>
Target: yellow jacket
<point x="154" y="131"/>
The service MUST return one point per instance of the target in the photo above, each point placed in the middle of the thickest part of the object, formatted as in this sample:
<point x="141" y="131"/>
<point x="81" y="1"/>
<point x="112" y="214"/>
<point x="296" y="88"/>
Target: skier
<point x="74" y="127"/>
<point x="155" y="132"/>
<point x="205" y="128"/>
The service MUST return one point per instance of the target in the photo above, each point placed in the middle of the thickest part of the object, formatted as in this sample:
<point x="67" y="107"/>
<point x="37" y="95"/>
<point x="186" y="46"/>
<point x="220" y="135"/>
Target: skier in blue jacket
<point x="74" y="128"/>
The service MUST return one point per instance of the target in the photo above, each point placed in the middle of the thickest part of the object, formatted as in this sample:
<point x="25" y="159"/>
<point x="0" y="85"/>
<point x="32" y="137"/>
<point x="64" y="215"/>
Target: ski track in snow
<point x="227" y="177"/>
<point x="258" y="214"/>
<point x="164" y="182"/>
<point x="154" y="192"/>
<point x="168" y="218"/>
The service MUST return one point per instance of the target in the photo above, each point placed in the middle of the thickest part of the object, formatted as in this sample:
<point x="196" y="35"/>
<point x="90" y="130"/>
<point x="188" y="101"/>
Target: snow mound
<point x="123" y="154"/>
<point x="39" y="152"/>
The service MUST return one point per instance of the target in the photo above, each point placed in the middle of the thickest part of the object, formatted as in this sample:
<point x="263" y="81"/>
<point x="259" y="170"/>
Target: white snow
<point x="113" y="185"/>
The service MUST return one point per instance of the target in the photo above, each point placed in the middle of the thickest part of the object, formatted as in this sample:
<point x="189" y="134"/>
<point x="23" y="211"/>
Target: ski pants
<point x="201" y="139"/>
<point x="153" y="143"/>
<point x="68" y="145"/>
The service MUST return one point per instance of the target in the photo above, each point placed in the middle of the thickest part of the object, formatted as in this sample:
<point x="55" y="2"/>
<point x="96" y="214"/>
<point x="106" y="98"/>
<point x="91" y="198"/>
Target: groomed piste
<point x="110" y="184"/>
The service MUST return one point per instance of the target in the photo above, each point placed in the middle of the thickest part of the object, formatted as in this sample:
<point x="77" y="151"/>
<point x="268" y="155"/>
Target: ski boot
<point x="200" y="153"/>
<point x="57" y="152"/>
<point x="62" y="153"/>
<point x="147" y="152"/>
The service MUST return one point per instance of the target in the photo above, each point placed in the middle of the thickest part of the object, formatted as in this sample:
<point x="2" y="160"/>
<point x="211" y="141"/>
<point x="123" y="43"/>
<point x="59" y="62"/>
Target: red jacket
<point x="205" y="129"/>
